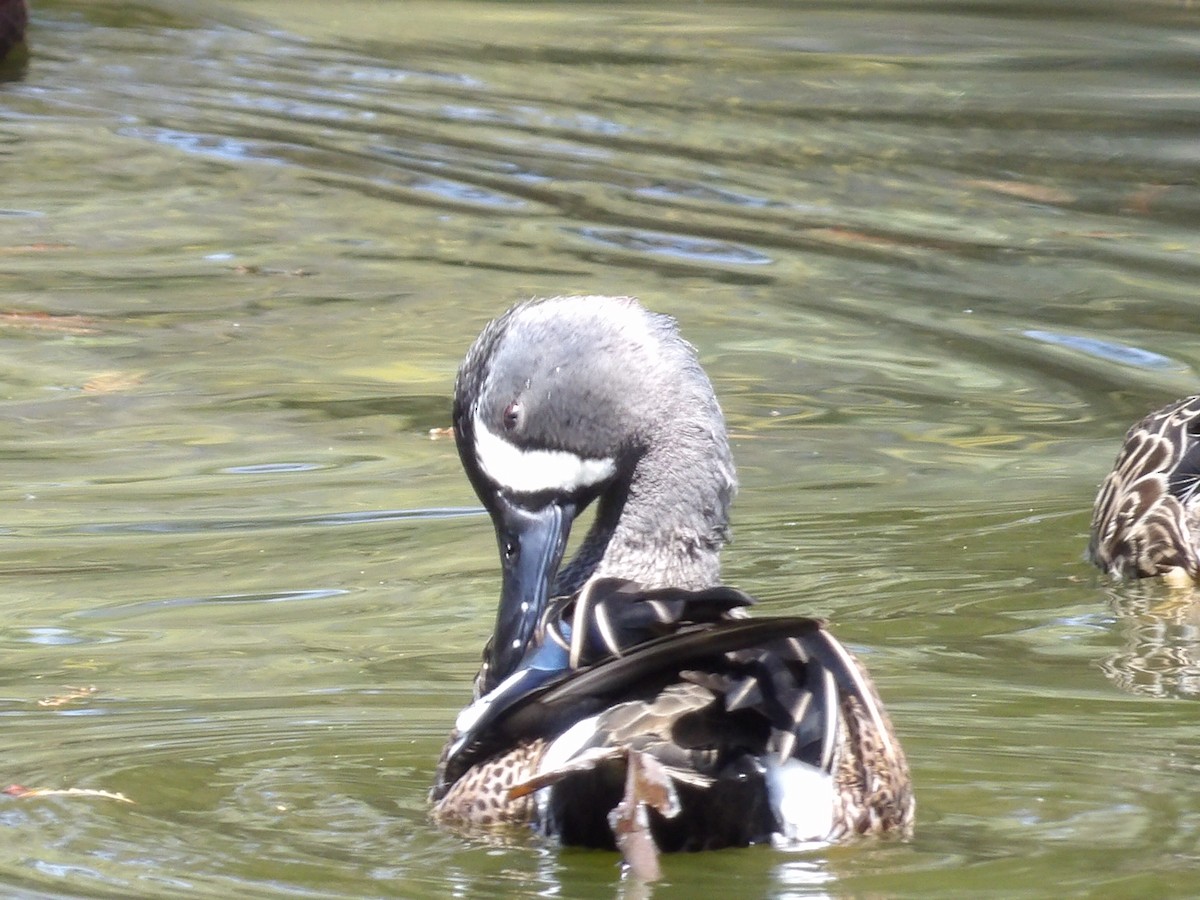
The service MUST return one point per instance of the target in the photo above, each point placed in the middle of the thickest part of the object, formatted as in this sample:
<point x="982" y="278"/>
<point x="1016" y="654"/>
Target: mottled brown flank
<point x="479" y="799"/>
<point x="1146" y="519"/>
<point x="873" y="792"/>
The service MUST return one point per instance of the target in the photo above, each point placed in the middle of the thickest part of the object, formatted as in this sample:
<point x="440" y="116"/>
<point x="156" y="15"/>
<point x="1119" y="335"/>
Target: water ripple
<point x="675" y="246"/>
<point x="1109" y="350"/>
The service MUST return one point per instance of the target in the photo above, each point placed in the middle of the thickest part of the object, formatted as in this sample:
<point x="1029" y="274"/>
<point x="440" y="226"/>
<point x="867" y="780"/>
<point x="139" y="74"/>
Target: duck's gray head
<point x="564" y="401"/>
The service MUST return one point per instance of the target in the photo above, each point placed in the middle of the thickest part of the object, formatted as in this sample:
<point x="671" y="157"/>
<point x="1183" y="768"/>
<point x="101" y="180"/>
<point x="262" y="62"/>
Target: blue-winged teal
<point x="1146" y="520"/>
<point x="626" y="694"/>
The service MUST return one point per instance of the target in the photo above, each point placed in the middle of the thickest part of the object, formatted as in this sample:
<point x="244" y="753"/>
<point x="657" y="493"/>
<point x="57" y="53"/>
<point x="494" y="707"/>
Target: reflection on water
<point x="935" y="258"/>
<point x="1160" y="630"/>
<point x="803" y="878"/>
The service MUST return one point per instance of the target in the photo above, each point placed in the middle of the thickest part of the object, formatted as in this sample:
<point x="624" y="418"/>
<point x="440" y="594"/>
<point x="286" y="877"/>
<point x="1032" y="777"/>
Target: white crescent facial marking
<point x="532" y="471"/>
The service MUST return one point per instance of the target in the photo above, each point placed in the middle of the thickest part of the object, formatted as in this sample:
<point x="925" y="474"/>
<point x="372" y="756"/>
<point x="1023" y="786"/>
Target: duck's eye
<point x="510" y="550"/>
<point x="512" y="416"/>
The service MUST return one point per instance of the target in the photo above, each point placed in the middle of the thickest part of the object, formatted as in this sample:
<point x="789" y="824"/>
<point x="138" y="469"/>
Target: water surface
<point x="935" y="256"/>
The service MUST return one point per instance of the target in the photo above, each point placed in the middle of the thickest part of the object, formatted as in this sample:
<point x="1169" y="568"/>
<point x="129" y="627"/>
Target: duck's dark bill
<point x="531" y="542"/>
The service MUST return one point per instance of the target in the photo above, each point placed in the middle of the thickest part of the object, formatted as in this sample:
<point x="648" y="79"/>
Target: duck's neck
<point x="666" y="525"/>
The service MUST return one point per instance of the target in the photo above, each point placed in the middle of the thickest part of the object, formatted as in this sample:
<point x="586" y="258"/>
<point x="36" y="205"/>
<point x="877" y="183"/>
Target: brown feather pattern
<point x="1145" y="518"/>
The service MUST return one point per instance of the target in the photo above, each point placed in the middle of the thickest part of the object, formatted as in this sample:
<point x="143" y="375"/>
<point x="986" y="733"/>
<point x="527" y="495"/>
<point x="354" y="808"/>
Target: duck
<point x="1146" y="518"/>
<point x="626" y="699"/>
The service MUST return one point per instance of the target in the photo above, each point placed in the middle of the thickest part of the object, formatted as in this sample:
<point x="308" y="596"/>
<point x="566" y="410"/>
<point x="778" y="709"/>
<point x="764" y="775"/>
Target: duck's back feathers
<point x="769" y="729"/>
<point x="742" y="714"/>
<point x="1145" y="520"/>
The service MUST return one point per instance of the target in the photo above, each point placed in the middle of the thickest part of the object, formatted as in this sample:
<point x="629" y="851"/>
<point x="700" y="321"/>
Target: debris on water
<point x="263" y="270"/>
<point x="70" y="696"/>
<point x="22" y="792"/>
<point x="43" y="321"/>
<point x="111" y="382"/>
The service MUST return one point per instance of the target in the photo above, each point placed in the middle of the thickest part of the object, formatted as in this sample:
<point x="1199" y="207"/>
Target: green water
<point x="935" y="257"/>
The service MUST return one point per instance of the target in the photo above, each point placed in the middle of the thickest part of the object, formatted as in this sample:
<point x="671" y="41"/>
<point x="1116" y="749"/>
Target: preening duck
<point x="626" y="699"/>
<point x="1146" y="520"/>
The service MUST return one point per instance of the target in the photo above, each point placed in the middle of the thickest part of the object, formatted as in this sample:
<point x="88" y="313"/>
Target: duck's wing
<point x="769" y="728"/>
<point x="1145" y="518"/>
<point x="776" y="687"/>
<point x="606" y="620"/>
<point x="780" y="682"/>
<point x="607" y="617"/>
<point x="611" y="616"/>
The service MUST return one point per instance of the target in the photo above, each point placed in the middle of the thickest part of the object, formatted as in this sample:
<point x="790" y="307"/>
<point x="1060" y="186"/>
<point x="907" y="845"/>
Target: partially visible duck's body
<point x="14" y="19"/>
<point x="1146" y="519"/>
<point x="627" y="695"/>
